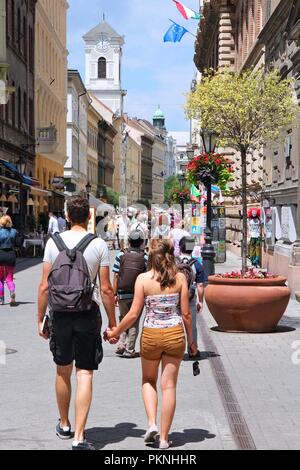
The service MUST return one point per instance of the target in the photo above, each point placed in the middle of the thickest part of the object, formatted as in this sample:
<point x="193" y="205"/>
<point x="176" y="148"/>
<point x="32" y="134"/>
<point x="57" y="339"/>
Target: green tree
<point x="112" y="197"/>
<point x="247" y="111"/>
<point x="170" y="184"/>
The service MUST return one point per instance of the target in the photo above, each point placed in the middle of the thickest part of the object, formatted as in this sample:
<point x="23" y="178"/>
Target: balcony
<point x="47" y="139"/>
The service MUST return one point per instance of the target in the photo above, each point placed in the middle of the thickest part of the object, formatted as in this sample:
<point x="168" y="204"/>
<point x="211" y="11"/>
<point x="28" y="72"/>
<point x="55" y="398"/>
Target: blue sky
<point x="154" y="72"/>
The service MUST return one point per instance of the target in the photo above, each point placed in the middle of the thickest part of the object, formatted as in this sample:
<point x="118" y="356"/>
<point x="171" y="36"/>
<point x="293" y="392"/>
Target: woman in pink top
<point x="164" y="293"/>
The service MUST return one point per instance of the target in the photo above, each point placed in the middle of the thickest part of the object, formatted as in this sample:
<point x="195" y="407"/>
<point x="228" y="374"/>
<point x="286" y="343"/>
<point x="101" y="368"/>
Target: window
<point x="25" y="38"/>
<point x="19" y="32"/>
<point x="19" y="108"/>
<point x="13" y="106"/>
<point x="25" y="108"/>
<point x="12" y="21"/>
<point x="102" y="67"/>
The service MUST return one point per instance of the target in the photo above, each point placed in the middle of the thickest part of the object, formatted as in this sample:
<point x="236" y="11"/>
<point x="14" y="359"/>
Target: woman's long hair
<point x="163" y="262"/>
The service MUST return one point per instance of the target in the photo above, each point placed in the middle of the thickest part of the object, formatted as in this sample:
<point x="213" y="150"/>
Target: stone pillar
<point x="226" y="39"/>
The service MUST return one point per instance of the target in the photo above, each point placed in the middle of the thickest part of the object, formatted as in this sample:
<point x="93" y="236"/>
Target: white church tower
<point x="103" y="65"/>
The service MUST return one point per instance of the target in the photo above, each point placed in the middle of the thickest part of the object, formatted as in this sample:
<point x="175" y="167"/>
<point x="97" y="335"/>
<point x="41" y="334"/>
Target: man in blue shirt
<point x="186" y="246"/>
<point x="128" y="265"/>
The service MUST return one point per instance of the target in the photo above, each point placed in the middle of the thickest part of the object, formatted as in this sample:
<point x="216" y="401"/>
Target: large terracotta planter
<point x="247" y="305"/>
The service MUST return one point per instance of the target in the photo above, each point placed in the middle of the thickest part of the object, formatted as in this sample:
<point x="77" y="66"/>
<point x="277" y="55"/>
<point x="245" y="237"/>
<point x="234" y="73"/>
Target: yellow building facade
<point x="51" y="99"/>
<point x="92" y="169"/>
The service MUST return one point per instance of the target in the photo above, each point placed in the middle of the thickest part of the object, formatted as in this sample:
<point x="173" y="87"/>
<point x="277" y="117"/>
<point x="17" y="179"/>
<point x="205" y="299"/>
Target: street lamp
<point x="88" y="189"/>
<point x="21" y="167"/>
<point x="182" y="180"/>
<point x="209" y="139"/>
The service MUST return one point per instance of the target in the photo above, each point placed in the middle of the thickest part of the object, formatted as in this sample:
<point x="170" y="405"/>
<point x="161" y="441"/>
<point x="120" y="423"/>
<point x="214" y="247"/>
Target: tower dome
<point x="159" y="119"/>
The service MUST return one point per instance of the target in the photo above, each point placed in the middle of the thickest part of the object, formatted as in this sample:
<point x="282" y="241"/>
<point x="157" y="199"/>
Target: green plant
<point x="246" y="110"/>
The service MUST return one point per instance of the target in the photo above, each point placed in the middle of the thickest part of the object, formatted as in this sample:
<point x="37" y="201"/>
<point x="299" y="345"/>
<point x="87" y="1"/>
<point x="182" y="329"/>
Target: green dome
<point x="159" y="114"/>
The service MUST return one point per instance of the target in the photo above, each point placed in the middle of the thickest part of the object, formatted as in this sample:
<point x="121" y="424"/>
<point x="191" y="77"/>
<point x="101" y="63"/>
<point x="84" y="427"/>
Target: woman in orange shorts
<point x="164" y="293"/>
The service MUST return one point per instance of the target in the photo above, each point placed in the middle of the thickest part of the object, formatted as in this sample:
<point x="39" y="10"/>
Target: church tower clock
<point x="103" y="65"/>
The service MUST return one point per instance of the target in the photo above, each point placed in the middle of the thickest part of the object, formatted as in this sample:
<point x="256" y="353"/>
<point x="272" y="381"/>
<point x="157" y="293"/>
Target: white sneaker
<point x="151" y="435"/>
<point x="164" y="444"/>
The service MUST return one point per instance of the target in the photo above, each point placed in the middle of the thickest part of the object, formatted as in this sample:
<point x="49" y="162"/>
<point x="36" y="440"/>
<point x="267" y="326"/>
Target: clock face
<point x="103" y="43"/>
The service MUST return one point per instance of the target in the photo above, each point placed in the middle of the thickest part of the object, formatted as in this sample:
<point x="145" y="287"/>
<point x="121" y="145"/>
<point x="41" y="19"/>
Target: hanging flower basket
<point x="181" y="195"/>
<point x="211" y="168"/>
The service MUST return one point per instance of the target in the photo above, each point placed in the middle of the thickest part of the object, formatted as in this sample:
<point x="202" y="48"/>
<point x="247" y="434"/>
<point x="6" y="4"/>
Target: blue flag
<point x="175" y="33"/>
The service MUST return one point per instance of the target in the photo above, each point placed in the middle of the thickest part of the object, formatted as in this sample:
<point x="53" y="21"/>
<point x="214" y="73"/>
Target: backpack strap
<point x="84" y="243"/>
<point x="60" y="244"/>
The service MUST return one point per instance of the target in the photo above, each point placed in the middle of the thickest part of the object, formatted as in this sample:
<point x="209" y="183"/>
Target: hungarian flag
<point x="186" y="12"/>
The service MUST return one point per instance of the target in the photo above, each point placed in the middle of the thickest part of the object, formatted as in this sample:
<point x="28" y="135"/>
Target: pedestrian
<point x="196" y="282"/>
<point x="176" y="234"/>
<point x="62" y="224"/>
<point x="128" y="266"/>
<point x="53" y="224"/>
<point x="73" y="261"/>
<point x="8" y="237"/>
<point x="164" y="292"/>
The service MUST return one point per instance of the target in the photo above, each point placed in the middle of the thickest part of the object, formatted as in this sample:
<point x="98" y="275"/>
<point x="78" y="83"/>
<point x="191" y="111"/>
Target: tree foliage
<point x="246" y="110"/>
<point x="171" y="184"/>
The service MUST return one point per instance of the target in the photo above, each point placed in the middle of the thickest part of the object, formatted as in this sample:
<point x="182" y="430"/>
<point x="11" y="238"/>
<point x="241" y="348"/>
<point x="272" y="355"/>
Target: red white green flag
<point x="186" y="12"/>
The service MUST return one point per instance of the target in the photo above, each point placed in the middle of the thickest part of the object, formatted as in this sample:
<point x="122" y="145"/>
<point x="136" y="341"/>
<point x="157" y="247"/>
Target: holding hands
<point x="110" y="336"/>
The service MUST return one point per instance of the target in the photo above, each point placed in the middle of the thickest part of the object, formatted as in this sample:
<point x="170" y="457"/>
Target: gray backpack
<point x="70" y="285"/>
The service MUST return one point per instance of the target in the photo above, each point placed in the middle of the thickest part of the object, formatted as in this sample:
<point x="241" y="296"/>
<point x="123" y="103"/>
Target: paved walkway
<point x="258" y="369"/>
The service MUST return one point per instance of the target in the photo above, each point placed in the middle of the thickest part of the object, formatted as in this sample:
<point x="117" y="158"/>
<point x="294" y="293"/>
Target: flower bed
<point x="252" y="273"/>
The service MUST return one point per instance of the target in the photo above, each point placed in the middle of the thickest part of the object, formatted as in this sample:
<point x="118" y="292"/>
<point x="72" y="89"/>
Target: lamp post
<point x="209" y="139"/>
<point x="88" y="189"/>
<point x="21" y="167"/>
<point x="181" y="178"/>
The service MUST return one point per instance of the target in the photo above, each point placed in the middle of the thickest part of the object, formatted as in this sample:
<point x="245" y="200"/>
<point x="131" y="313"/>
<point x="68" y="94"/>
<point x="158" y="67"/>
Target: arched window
<point x="102" y="67"/>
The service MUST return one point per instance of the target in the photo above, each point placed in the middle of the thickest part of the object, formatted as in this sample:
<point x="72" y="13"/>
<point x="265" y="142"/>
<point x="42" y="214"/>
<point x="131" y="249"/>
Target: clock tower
<point x="103" y="65"/>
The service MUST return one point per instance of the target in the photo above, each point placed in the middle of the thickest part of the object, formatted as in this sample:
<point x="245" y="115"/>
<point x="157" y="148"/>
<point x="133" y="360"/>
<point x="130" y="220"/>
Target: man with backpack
<point x="128" y="266"/>
<point x="73" y="261"/>
<point x="196" y="280"/>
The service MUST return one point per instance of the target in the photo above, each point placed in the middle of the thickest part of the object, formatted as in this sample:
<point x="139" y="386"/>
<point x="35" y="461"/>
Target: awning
<point x="25" y="179"/>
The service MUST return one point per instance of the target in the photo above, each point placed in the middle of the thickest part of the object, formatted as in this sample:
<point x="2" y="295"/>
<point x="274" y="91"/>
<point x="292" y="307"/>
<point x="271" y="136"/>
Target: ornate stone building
<point x="51" y="96"/>
<point x="17" y="117"/>
<point x="240" y="34"/>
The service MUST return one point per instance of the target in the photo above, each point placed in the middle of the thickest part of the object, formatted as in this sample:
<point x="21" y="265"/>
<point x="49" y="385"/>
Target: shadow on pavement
<point x="279" y="329"/>
<point x="26" y="263"/>
<point x="17" y="304"/>
<point x="101" y="437"/>
<point x="204" y="355"/>
<point x="188" y="436"/>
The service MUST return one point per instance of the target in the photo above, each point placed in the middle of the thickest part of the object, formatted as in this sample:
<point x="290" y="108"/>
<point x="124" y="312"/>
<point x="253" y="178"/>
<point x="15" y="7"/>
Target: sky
<point x="154" y="72"/>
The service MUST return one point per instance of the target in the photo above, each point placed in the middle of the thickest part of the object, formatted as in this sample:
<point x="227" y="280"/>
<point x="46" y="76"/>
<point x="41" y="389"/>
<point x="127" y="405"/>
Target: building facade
<point x="92" y="148"/>
<point x="181" y="140"/>
<point x="76" y="166"/>
<point x="51" y="97"/>
<point x="17" y="117"/>
<point x="103" y="66"/>
<point x="170" y="157"/>
<point x="250" y="34"/>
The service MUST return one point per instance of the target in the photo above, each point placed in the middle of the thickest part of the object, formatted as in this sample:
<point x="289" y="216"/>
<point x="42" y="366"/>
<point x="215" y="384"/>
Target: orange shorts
<point x="158" y="341"/>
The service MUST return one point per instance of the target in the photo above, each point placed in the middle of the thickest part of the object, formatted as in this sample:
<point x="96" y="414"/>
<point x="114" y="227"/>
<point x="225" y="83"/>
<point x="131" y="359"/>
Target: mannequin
<point x="255" y="236"/>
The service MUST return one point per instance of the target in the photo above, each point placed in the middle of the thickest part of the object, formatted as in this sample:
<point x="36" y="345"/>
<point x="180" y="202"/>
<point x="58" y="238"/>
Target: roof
<point x="158" y="114"/>
<point x="104" y="28"/>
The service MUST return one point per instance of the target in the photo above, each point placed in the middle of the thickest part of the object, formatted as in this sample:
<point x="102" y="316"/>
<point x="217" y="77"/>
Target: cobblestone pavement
<point x="259" y="368"/>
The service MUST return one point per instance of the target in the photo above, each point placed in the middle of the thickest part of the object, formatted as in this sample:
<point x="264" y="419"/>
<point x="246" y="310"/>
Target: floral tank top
<point x="162" y="311"/>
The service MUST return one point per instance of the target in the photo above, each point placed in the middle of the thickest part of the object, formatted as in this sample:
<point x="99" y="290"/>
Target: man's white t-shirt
<point x="53" y="226"/>
<point x="96" y="254"/>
